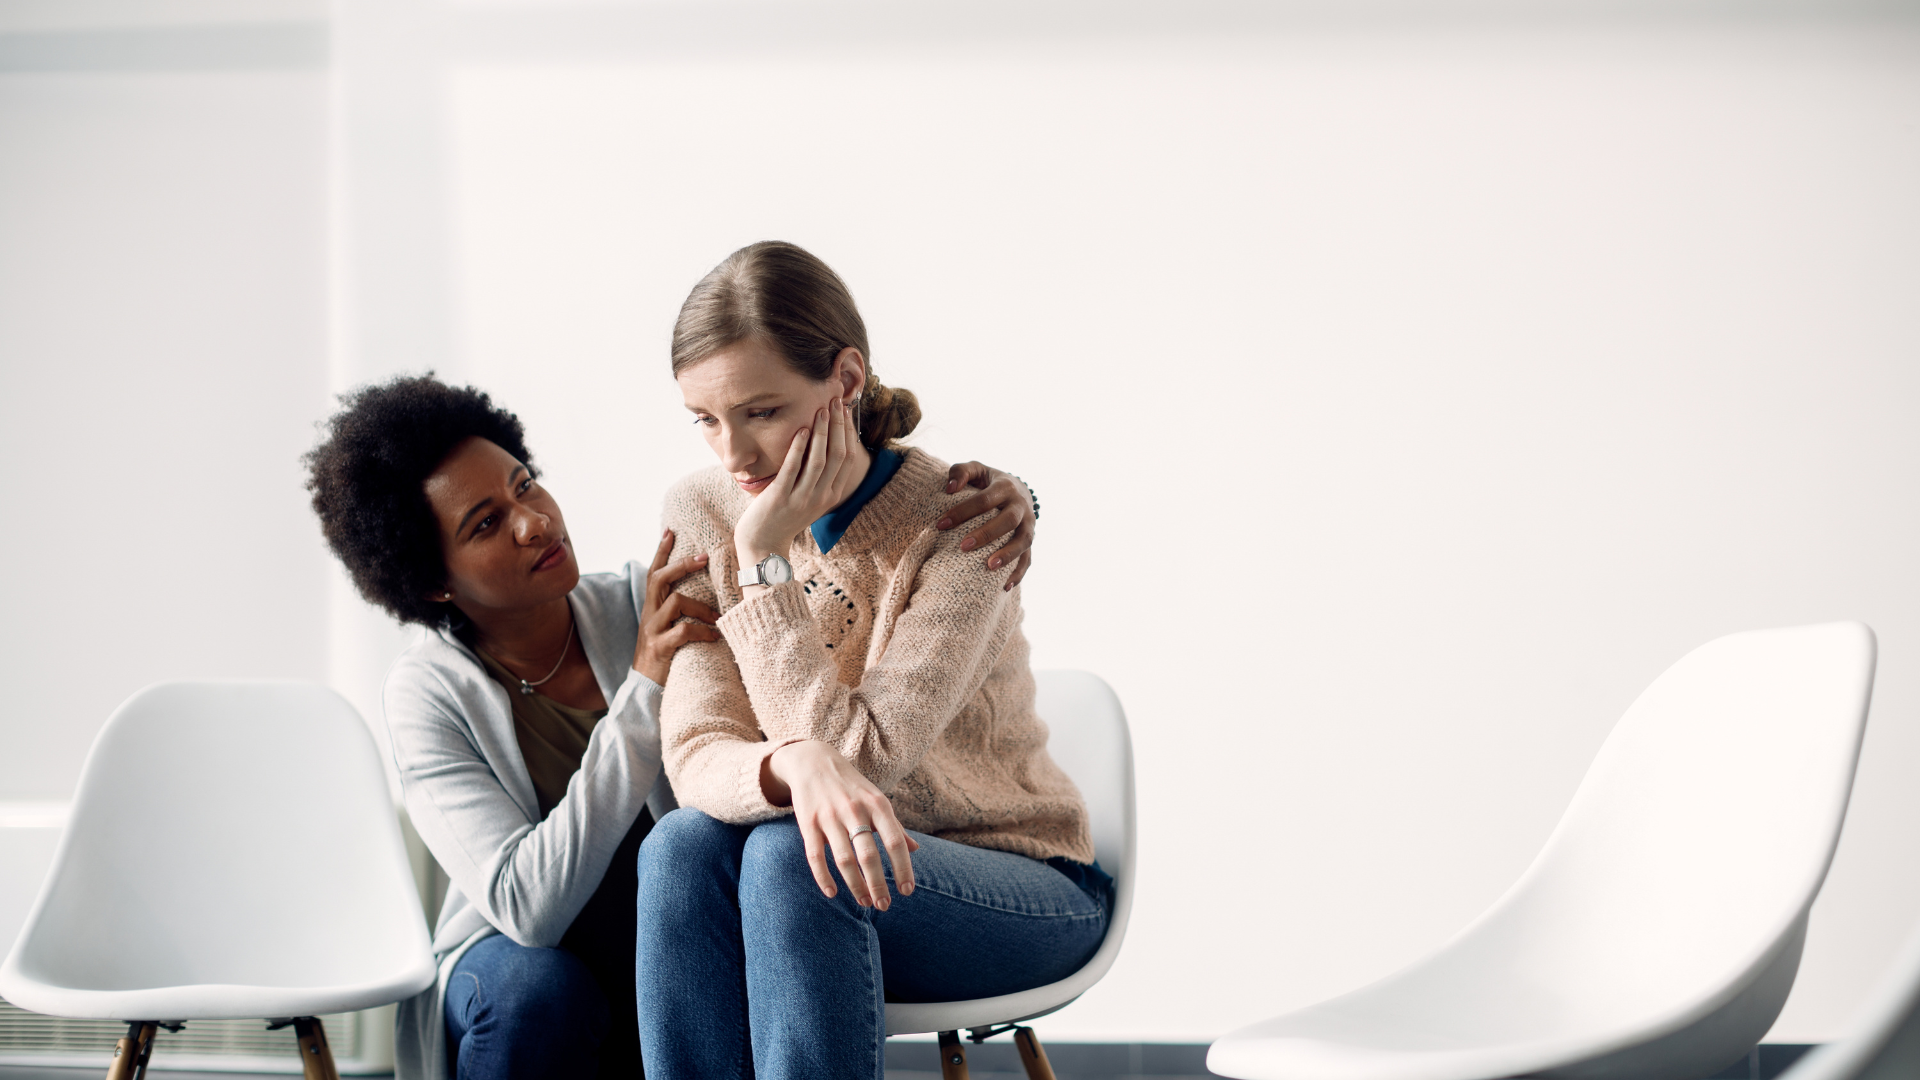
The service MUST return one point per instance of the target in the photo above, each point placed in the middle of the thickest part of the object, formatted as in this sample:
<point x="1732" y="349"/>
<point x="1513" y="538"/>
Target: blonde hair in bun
<point x="784" y="295"/>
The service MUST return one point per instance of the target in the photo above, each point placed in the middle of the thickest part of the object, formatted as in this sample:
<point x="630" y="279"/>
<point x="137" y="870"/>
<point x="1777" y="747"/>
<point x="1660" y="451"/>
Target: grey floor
<point x="16" y="1072"/>
<point x="998" y="1061"/>
<point x="27" y="1072"/>
<point x="905" y="1061"/>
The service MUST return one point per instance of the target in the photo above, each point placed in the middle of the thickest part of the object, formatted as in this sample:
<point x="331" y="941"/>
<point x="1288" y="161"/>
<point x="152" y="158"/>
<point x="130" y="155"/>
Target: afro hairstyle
<point x="368" y="477"/>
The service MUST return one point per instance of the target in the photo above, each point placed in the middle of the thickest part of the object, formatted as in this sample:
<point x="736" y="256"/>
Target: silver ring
<point x="860" y="830"/>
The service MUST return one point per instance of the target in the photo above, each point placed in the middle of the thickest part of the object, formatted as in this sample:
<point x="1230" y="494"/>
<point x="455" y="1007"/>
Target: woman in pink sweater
<point x="868" y="811"/>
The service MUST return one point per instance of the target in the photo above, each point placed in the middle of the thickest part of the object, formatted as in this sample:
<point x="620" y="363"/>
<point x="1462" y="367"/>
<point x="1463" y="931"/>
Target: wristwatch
<point x="772" y="570"/>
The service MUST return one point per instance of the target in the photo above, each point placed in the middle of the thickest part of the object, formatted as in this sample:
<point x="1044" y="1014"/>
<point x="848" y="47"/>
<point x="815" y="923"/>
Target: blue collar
<point x="833" y="525"/>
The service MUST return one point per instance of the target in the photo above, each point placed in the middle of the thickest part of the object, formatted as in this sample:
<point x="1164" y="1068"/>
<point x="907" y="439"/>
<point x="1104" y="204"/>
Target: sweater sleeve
<point x="710" y="740"/>
<point x="528" y="878"/>
<point x="712" y="744"/>
<point x="954" y="620"/>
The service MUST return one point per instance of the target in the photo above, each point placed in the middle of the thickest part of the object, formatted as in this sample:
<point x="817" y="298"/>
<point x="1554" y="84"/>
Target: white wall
<point x="1403" y="400"/>
<point x="162" y="361"/>
<point x="1405" y="393"/>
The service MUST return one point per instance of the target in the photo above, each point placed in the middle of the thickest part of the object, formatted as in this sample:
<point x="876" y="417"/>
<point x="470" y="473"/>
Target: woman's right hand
<point x="817" y="475"/>
<point x="661" y="631"/>
<point x="830" y="799"/>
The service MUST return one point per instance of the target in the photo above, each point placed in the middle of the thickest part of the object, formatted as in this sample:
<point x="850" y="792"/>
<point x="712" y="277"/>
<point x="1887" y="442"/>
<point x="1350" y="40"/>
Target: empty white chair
<point x="231" y="853"/>
<point x="1087" y="737"/>
<point x="1886" y="1043"/>
<point x="1657" y="933"/>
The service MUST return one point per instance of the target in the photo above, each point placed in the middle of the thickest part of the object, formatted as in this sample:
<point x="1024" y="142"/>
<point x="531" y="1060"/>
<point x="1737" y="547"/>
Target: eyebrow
<point x="484" y="503"/>
<point x="754" y="400"/>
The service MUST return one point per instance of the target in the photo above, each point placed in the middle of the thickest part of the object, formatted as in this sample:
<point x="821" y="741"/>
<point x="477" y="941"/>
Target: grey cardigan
<point x="470" y="798"/>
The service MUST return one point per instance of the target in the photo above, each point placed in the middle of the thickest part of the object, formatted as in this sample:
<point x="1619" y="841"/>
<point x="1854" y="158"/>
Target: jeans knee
<point x="548" y="990"/>
<point x="775" y="880"/>
<point x="774" y="851"/>
<point x="686" y="833"/>
<point x="684" y="860"/>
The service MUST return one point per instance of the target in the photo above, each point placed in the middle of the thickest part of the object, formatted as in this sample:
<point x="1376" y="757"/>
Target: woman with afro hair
<point x="524" y="719"/>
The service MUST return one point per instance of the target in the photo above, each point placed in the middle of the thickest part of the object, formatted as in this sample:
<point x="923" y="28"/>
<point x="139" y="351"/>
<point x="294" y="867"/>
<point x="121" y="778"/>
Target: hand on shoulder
<point x="669" y="618"/>
<point x="1015" y="516"/>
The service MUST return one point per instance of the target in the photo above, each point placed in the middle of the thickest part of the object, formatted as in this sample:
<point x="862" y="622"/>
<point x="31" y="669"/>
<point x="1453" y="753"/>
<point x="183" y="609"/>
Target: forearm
<point x="939" y="653"/>
<point x="713" y="747"/>
<point x="723" y="777"/>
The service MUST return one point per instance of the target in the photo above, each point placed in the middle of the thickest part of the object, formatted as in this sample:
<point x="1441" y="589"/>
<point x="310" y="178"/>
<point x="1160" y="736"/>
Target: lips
<point x="754" y="486"/>
<point x="551" y="557"/>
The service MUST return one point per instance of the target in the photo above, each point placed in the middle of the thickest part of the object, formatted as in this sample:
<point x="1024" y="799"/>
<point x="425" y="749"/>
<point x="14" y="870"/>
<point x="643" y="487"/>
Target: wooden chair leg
<point x="316" y="1057"/>
<point x="953" y="1059"/>
<point x="131" y="1052"/>
<point x="1033" y="1056"/>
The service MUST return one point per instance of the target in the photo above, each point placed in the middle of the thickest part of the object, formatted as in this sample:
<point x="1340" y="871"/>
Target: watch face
<point x="776" y="570"/>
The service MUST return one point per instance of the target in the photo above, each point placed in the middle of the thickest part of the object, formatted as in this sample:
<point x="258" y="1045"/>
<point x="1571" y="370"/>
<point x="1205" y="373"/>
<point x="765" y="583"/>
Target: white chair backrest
<point x="235" y="834"/>
<point x="1693" y="847"/>
<point x="1087" y="737"/>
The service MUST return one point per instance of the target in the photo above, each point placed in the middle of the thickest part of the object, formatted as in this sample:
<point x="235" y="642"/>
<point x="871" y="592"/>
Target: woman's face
<point x="749" y="402"/>
<point x="504" y="540"/>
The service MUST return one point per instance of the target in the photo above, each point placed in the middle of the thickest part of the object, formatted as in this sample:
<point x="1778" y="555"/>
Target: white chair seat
<point x="1657" y="933"/>
<point x="232" y="853"/>
<point x="1087" y="737"/>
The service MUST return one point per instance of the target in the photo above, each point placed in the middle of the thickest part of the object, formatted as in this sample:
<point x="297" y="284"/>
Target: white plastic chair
<point x="1657" y="933"/>
<point x="232" y="853"/>
<point x="1087" y="737"/>
<point x="1886" y="1043"/>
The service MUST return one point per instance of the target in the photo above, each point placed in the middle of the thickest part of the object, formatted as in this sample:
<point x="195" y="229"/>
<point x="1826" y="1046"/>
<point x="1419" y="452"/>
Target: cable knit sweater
<point x="896" y="648"/>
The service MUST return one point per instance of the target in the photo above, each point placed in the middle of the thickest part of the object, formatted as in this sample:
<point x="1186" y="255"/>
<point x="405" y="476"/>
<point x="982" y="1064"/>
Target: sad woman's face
<point x="749" y="403"/>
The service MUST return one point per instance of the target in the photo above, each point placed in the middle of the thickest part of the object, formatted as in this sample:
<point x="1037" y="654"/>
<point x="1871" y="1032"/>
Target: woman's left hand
<point x="999" y="492"/>
<point x="832" y="801"/>
<point x="817" y="475"/>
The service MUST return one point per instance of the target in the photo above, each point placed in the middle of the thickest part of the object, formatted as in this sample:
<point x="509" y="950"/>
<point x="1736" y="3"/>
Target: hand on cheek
<point x="823" y="465"/>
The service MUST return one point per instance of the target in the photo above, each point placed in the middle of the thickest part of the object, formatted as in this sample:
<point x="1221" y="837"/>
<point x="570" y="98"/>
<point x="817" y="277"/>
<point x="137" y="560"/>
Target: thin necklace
<point x="527" y="687"/>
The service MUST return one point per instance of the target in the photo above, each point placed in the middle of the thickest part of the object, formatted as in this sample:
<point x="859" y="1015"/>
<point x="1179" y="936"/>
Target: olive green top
<point x="553" y="737"/>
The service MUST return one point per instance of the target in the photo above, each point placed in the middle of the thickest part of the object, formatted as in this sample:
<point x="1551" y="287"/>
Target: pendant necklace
<point x="527" y="687"/>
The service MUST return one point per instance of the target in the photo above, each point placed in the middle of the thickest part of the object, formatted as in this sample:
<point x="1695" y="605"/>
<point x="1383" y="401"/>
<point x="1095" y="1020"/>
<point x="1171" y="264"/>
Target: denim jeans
<point x="566" y="1013"/>
<point x="745" y="969"/>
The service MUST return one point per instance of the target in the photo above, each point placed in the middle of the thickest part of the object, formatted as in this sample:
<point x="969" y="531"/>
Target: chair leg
<point x="316" y="1057"/>
<point x="953" y="1059"/>
<point x="1033" y="1056"/>
<point x="131" y="1052"/>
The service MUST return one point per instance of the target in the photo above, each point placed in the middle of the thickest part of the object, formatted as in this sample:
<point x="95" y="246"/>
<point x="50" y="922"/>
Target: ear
<point x="443" y="596"/>
<point x="850" y="368"/>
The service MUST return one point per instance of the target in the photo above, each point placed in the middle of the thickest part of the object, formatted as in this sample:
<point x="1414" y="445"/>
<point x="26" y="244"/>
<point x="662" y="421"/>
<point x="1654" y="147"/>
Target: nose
<point x="530" y="526"/>
<point x="737" y="452"/>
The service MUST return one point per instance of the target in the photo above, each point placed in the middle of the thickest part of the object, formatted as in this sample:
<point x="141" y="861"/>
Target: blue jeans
<point x="566" y="1013"/>
<point x="745" y="969"/>
<point x="518" y="1012"/>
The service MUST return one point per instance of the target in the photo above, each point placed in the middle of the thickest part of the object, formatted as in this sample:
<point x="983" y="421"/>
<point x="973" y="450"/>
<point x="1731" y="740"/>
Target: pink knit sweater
<point x="896" y="648"/>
